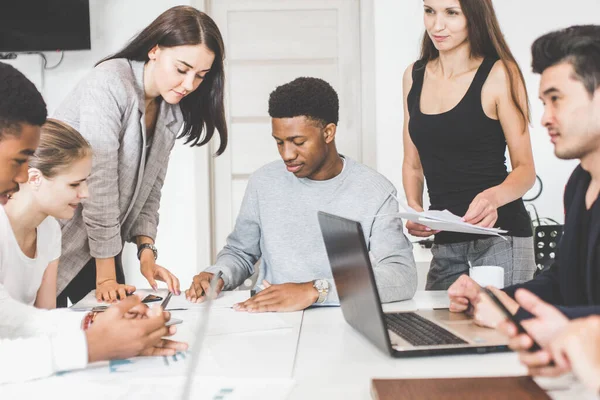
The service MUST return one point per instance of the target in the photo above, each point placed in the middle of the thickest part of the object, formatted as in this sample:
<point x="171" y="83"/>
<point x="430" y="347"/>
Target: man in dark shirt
<point x="569" y="63"/>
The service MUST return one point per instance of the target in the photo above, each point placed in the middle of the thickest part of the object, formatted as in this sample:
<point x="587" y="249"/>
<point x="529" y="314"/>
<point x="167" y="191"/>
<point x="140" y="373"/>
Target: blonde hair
<point x="60" y="146"/>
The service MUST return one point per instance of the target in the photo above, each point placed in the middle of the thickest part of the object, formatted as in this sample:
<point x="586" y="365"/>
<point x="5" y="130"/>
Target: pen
<point x="217" y="277"/>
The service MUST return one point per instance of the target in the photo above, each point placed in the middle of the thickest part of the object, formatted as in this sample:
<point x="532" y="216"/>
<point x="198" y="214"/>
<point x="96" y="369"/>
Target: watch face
<point x="321" y="284"/>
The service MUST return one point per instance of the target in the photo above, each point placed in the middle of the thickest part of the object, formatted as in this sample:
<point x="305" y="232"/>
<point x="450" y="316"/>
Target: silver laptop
<point x="400" y="334"/>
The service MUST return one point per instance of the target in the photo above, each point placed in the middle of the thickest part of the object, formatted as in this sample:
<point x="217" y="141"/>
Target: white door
<point x="269" y="43"/>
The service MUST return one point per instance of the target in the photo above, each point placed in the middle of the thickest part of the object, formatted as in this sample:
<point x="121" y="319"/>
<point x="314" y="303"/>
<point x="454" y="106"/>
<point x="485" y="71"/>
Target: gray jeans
<point x="515" y="255"/>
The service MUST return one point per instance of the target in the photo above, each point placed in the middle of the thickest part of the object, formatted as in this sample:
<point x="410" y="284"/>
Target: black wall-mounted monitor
<point x="44" y="25"/>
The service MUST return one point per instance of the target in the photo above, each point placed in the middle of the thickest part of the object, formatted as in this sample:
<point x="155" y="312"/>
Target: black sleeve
<point x="545" y="286"/>
<point x="569" y="312"/>
<point x="580" y="311"/>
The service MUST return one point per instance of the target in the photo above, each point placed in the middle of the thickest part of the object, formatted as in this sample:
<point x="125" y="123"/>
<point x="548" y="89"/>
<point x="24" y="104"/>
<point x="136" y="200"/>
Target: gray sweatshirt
<point x="278" y="224"/>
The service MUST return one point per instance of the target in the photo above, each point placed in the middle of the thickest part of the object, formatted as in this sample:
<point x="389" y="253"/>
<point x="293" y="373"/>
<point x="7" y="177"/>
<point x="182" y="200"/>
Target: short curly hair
<point x="20" y="101"/>
<point x="312" y="98"/>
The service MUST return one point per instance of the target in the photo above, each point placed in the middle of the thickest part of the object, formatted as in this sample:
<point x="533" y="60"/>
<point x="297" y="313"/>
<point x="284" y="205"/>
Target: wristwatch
<point x="322" y="287"/>
<point x="145" y="246"/>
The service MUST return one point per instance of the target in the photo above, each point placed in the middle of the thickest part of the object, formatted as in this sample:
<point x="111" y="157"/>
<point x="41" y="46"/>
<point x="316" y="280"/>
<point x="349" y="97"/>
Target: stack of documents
<point x="445" y="221"/>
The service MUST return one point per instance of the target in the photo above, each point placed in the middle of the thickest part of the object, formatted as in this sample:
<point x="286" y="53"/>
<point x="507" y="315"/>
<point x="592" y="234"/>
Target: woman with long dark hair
<point x="167" y="83"/>
<point x="464" y="102"/>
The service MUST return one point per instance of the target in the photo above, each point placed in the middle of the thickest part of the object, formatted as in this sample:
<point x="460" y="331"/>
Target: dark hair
<point x="577" y="45"/>
<point x="312" y="98"/>
<point x="20" y="101"/>
<point x="60" y="146"/>
<point x="203" y="108"/>
<point x="486" y="40"/>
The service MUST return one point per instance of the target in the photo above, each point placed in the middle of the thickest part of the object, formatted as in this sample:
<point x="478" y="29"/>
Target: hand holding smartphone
<point x="511" y="317"/>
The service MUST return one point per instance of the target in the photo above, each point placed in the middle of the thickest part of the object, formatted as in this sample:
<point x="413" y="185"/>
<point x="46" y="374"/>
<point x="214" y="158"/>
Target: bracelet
<point x="89" y="320"/>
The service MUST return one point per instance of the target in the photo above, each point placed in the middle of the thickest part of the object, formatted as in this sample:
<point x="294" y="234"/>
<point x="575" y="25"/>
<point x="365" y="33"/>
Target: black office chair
<point x="546" y="231"/>
<point x="545" y="242"/>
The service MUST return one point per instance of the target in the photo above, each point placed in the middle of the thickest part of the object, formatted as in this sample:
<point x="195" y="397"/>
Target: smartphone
<point x="508" y="314"/>
<point x="151" y="298"/>
<point x="165" y="302"/>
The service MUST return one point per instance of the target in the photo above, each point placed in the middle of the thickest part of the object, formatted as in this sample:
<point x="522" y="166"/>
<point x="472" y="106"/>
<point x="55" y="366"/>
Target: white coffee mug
<point x="487" y="275"/>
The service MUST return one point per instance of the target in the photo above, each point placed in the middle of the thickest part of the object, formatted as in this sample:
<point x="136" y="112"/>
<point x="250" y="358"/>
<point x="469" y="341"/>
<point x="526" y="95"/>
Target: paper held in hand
<point x="445" y="221"/>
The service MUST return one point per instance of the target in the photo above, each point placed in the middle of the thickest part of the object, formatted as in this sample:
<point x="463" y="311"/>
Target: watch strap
<point x="145" y="246"/>
<point x="322" y="287"/>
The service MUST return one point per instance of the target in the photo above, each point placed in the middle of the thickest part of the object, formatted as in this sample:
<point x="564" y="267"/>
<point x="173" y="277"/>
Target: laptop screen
<point x="354" y="279"/>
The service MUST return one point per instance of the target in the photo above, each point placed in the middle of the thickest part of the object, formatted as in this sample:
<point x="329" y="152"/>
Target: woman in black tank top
<point x="464" y="102"/>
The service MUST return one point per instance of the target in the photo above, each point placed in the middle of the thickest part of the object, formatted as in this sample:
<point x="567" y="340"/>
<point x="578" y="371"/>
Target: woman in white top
<point x="48" y="341"/>
<point x="30" y="247"/>
<point x="56" y="185"/>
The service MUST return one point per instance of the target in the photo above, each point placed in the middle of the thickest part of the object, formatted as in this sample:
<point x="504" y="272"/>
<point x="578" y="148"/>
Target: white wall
<point x="398" y="28"/>
<point x="181" y="241"/>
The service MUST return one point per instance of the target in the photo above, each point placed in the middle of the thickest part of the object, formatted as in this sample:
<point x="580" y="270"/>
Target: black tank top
<point x="462" y="152"/>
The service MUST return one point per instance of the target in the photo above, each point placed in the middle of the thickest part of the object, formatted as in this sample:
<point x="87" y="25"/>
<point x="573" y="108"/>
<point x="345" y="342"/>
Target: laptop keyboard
<point x="419" y="331"/>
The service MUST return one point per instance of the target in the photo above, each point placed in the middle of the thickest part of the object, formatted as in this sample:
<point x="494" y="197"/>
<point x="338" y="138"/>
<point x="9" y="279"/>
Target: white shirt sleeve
<point x="38" y="357"/>
<point x="37" y="343"/>
<point x="20" y="320"/>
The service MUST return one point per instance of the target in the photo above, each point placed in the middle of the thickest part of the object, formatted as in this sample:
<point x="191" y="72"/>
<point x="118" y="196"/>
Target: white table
<point x="244" y="354"/>
<point x="321" y="352"/>
<point x="334" y="361"/>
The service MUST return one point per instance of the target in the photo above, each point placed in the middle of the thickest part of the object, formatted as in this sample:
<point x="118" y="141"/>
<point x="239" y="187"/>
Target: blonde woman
<point x="31" y="245"/>
<point x="48" y="341"/>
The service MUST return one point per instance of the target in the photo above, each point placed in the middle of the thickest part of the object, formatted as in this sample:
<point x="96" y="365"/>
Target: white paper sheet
<point x="221" y="322"/>
<point x="229" y="321"/>
<point x="444" y="221"/>
<point x="226" y="321"/>
<point x="459" y="227"/>
<point x="225" y="300"/>
<point x="210" y="388"/>
<point x="204" y="388"/>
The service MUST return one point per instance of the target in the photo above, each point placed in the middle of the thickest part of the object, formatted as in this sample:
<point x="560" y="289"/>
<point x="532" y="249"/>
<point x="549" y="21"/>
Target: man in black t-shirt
<point x="569" y="63"/>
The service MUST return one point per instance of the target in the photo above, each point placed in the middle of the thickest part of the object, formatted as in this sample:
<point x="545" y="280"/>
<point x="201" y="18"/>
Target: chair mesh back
<point x="545" y="242"/>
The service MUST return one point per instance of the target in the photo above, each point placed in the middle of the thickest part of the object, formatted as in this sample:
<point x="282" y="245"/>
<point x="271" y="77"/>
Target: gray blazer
<point x="107" y="108"/>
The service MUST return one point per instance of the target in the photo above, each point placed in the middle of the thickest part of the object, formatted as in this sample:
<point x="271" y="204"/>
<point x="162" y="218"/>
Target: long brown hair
<point x="486" y="40"/>
<point x="204" y="107"/>
<point x="60" y="146"/>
